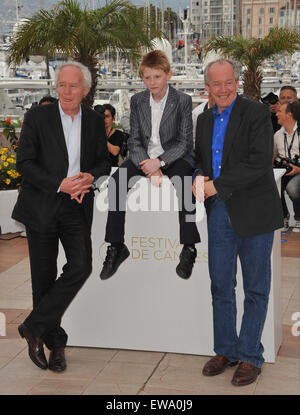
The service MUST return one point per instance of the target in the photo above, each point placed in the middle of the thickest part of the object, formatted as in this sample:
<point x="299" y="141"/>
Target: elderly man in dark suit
<point x="234" y="148"/>
<point x="62" y="151"/>
<point x="160" y="143"/>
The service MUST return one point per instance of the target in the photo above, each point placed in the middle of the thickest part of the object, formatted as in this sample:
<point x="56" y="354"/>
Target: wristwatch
<point x="162" y="162"/>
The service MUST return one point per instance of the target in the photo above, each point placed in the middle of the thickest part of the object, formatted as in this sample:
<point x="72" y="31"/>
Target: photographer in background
<point x="115" y="137"/>
<point x="272" y="101"/>
<point x="287" y="94"/>
<point x="286" y="155"/>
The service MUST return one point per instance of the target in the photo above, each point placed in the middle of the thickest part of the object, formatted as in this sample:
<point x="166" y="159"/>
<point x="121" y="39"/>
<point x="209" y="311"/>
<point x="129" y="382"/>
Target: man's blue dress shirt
<point x="218" y="137"/>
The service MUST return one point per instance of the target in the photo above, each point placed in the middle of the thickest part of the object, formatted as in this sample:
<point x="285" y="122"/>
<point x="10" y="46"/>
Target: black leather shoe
<point x="35" y="347"/>
<point x="114" y="258"/>
<point x="57" y="360"/>
<point x="187" y="259"/>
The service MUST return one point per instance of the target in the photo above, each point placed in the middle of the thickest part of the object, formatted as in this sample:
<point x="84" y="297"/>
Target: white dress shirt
<point x="157" y="108"/>
<point x="72" y="133"/>
<point x="280" y="147"/>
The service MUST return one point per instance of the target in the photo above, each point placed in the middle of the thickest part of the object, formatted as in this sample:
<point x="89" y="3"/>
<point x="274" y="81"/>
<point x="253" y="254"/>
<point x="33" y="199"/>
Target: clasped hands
<point x="77" y="186"/>
<point x="151" y="169"/>
<point x="203" y="188"/>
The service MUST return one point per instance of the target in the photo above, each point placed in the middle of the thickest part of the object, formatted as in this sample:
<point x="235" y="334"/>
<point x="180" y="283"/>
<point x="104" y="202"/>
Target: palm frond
<point x="251" y="53"/>
<point x="82" y="33"/>
<point x="77" y="30"/>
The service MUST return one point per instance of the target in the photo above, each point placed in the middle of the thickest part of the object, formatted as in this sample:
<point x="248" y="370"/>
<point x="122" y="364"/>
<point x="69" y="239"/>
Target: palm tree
<point x="251" y="53"/>
<point x="82" y="34"/>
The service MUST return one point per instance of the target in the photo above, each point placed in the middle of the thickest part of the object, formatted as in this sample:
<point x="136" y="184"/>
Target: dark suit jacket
<point x="246" y="182"/>
<point x="176" y="127"/>
<point x="42" y="160"/>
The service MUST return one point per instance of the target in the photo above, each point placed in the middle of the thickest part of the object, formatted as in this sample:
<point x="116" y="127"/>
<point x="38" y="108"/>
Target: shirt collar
<point x="225" y="112"/>
<point x="161" y="102"/>
<point x="295" y="128"/>
<point x="64" y="115"/>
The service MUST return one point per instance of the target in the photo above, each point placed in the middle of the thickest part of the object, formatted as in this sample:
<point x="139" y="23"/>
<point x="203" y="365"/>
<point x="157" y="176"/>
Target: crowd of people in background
<point x="285" y="116"/>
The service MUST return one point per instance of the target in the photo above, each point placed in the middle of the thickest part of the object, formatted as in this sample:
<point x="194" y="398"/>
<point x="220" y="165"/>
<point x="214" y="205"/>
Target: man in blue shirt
<point x="234" y="147"/>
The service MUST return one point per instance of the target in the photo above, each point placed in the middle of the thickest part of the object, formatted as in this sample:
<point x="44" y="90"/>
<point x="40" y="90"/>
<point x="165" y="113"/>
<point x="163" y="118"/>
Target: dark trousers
<point x="291" y="185"/>
<point x="117" y="194"/>
<point x="52" y="295"/>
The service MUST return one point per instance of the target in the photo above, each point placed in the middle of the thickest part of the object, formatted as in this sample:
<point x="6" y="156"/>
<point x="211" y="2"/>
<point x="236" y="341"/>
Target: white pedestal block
<point x="8" y="200"/>
<point x="145" y="305"/>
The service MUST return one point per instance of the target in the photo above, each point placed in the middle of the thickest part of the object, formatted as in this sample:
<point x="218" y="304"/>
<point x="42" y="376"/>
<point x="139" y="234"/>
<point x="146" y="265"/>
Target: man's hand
<point x="198" y="187"/>
<point x="296" y="170"/>
<point x="77" y="185"/>
<point x="70" y="184"/>
<point x="86" y="180"/>
<point x="156" y="178"/>
<point x="150" y="166"/>
<point x="209" y="189"/>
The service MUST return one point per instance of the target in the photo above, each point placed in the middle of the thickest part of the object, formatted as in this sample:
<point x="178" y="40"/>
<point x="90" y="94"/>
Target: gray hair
<point x="222" y="61"/>
<point x="87" y="77"/>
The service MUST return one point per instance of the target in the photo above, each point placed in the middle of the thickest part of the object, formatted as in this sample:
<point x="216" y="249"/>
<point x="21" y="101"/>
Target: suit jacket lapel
<point x="59" y="132"/>
<point x="84" y="133"/>
<point x="146" y="111"/>
<point x="170" y="105"/>
<point x="234" y="121"/>
<point x="207" y="142"/>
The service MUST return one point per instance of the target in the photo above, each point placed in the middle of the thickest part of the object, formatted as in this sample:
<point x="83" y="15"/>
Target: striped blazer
<point x="176" y="127"/>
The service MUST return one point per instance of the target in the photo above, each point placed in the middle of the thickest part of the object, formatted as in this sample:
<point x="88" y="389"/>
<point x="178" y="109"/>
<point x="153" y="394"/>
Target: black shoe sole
<point x="122" y="258"/>
<point x="182" y="274"/>
<point x="56" y="369"/>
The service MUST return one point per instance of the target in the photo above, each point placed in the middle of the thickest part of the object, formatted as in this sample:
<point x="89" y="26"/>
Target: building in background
<point x="251" y="18"/>
<point x="258" y="17"/>
<point x="289" y="14"/>
<point x="212" y="18"/>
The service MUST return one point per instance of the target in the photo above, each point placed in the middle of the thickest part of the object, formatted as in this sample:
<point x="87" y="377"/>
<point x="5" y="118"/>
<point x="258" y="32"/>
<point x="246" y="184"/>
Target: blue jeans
<point x="224" y="246"/>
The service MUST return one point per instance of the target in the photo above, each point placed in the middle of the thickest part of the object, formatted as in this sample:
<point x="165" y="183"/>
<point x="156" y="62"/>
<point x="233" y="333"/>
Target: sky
<point x="174" y="4"/>
<point x="35" y="5"/>
<point x="29" y="7"/>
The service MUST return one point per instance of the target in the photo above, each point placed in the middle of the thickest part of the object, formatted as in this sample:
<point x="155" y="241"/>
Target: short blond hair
<point x="155" y="59"/>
